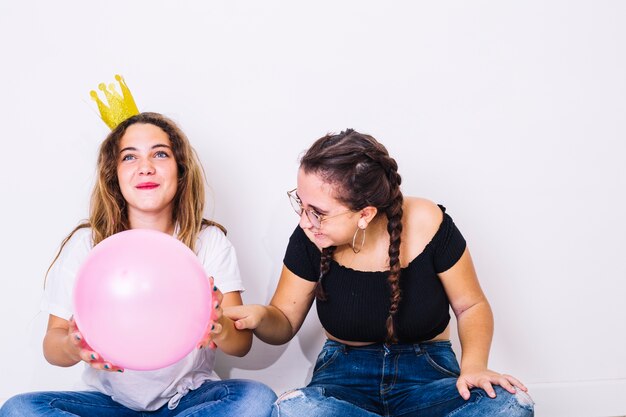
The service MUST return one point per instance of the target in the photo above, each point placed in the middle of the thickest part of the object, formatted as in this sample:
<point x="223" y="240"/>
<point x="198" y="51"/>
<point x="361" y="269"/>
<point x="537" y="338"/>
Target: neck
<point x="377" y="234"/>
<point x="161" y="222"/>
<point x="373" y="256"/>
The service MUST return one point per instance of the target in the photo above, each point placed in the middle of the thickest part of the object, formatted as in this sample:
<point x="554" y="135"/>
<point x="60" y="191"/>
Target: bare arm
<point x="278" y="322"/>
<point x="475" y="327"/>
<point x="59" y="347"/>
<point x="472" y="310"/>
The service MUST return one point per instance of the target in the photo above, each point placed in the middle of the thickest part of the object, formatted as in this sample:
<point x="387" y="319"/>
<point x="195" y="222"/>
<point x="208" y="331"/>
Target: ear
<point x="367" y="215"/>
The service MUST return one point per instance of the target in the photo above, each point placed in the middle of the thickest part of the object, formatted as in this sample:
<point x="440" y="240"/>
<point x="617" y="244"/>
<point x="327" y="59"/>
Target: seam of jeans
<point x="479" y="396"/>
<point x="325" y="363"/>
<point x="391" y="385"/>
<point x="201" y="408"/>
<point x="439" y="368"/>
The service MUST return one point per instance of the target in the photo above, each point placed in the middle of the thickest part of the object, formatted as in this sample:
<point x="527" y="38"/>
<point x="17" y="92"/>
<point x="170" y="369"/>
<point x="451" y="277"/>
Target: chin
<point x="323" y="241"/>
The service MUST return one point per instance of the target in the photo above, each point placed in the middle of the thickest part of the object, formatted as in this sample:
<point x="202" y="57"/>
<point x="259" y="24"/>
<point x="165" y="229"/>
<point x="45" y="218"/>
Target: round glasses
<point x="314" y="217"/>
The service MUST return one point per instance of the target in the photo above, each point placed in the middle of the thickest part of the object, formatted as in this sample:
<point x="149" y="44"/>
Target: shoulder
<point x="78" y="241"/>
<point x="421" y="220"/>
<point x="302" y="257"/>
<point x="303" y="239"/>
<point x="212" y="238"/>
<point x="421" y="216"/>
<point x="72" y="253"/>
<point x="211" y="232"/>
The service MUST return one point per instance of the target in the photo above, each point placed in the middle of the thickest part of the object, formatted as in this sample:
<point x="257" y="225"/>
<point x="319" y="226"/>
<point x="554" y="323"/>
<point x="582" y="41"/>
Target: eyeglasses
<point x="314" y="217"/>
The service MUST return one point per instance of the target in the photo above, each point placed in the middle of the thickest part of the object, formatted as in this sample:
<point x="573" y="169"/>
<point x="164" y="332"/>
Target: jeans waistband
<point x="389" y="348"/>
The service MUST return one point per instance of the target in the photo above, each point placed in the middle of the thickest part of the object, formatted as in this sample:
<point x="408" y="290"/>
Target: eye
<point x="128" y="157"/>
<point x="161" y="154"/>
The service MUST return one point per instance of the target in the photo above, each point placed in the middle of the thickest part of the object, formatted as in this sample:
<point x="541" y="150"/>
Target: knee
<point x="289" y="395"/>
<point x="524" y="404"/>
<point x="261" y="393"/>
<point x="255" y="396"/>
<point x="14" y="407"/>
<point x="294" y="403"/>
<point x="519" y="404"/>
<point x="284" y="405"/>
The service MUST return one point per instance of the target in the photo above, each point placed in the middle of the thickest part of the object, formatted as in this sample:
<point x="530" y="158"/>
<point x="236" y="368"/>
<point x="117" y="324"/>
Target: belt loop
<point x="417" y="348"/>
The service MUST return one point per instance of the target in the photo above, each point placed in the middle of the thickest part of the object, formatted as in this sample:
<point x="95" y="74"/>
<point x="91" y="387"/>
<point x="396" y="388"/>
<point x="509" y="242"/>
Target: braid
<point x="394" y="228"/>
<point x="327" y="256"/>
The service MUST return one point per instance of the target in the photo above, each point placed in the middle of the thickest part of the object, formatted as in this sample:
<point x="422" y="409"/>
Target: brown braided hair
<point x="362" y="174"/>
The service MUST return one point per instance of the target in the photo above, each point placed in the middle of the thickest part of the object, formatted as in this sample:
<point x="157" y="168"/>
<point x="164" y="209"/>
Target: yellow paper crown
<point x="120" y="107"/>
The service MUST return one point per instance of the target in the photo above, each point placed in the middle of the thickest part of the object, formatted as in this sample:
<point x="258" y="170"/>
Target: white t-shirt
<point x="145" y="390"/>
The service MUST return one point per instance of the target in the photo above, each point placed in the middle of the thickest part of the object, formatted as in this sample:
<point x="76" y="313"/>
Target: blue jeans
<point x="396" y="380"/>
<point x="230" y="397"/>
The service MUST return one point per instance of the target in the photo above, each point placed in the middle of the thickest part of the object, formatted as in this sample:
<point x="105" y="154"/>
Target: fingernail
<point x="214" y="288"/>
<point x="93" y="357"/>
<point x="213" y="327"/>
<point x="120" y="370"/>
<point x="217" y="306"/>
<point x="77" y="336"/>
<point x="106" y="366"/>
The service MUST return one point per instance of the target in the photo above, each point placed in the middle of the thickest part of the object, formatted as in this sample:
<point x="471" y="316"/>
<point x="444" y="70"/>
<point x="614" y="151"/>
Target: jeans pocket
<point x="326" y="357"/>
<point x="443" y="360"/>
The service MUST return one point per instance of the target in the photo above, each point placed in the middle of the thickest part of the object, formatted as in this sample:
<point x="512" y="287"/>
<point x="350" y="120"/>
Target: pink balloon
<point x="142" y="299"/>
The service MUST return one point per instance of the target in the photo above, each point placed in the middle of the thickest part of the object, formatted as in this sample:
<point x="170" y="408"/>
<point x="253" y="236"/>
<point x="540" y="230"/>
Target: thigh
<point x="351" y="375"/>
<point x="441" y="399"/>
<point x="232" y="397"/>
<point x="430" y="389"/>
<point x="313" y="401"/>
<point x="64" y="403"/>
<point x="504" y="404"/>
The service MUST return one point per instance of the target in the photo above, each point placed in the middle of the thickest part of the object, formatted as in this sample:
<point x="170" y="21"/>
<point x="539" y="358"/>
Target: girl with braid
<point x="384" y="270"/>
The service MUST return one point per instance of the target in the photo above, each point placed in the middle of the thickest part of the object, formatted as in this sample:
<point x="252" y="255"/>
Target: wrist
<point x="473" y="367"/>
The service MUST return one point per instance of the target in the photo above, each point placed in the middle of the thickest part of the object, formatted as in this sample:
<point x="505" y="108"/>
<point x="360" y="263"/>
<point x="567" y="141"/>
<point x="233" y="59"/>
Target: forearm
<point x="274" y="328"/>
<point x="475" y="328"/>
<point x="58" y="350"/>
<point x="231" y="340"/>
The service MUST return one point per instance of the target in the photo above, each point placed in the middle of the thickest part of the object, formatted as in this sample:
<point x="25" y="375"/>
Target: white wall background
<point x="512" y="114"/>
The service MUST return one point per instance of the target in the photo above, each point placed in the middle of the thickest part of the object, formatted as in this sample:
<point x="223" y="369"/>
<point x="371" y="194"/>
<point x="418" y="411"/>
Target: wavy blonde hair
<point x="108" y="213"/>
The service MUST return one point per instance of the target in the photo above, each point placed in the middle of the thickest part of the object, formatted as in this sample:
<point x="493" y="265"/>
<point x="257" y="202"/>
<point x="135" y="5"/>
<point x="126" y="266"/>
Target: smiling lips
<point x="147" y="186"/>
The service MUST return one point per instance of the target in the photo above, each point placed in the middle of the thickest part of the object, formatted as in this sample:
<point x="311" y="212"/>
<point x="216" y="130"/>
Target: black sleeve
<point x="302" y="256"/>
<point x="448" y="244"/>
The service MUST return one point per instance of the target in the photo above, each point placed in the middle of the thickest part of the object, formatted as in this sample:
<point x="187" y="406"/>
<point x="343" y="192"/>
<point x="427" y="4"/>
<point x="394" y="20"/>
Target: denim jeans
<point x="230" y="397"/>
<point x="395" y="380"/>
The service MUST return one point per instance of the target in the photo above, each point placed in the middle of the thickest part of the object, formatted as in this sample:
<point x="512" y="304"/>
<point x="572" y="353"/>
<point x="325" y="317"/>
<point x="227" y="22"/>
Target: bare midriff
<point x="445" y="335"/>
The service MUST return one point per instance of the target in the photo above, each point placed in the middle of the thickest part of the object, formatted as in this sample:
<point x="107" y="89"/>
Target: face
<point x="338" y="221"/>
<point x="146" y="171"/>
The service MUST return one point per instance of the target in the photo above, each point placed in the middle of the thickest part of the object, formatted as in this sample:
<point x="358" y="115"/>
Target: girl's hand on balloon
<point x="86" y="353"/>
<point x="214" y="329"/>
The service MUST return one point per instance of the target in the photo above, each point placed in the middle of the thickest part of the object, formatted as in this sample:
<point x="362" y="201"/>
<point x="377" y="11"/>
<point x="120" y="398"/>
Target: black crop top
<point x="357" y="303"/>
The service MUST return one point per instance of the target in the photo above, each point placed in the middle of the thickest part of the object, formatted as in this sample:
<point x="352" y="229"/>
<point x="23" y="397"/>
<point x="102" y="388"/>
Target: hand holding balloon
<point x="214" y="329"/>
<point x="86" y="353"/>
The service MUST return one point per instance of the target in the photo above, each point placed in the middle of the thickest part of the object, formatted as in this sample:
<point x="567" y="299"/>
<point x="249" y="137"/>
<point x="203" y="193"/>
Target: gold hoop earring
<point x="356" y="232"/>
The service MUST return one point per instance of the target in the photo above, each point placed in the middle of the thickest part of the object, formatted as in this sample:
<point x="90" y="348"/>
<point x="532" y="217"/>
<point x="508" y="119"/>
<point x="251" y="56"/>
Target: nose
<point x="305" y="223"/>
<point x="146" y="167"/>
